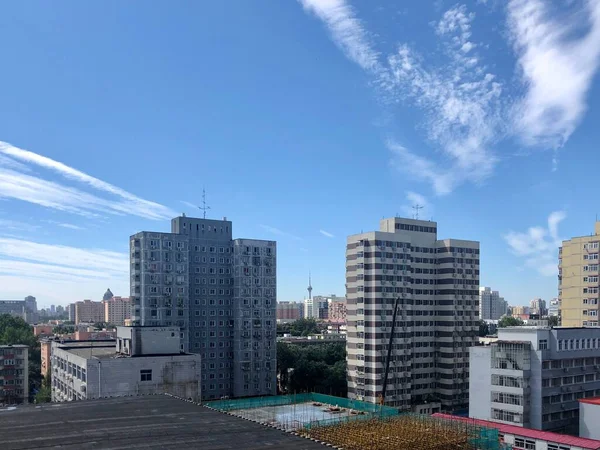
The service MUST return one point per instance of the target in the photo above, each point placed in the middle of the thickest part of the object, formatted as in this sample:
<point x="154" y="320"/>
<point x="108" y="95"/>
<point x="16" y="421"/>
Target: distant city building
<point x="554" y="308"/>
<point x="533" y="377"/>
<point x="89" y="312"/>
<point x="220" y="292"/>
<point x="491" y="305"/>
<point x="43" y="330"/>
<point x="60" y="310"/>
<point x="52" y="309"/>
<point x="71" y="310"/>
<point x="14" y="374"/>
<point x="143" y="360"/>
<point x="437" y="284"/>
<point x="578" y="280"/>
<point x="25" y="309"/>
<point x="538" y="306"/>
<point x="289" y="311"/>
<point x="337" y="309"/>
<point x="117" y="310"/>
<point x="107" y="295"/>
<point x="520" y="312"/>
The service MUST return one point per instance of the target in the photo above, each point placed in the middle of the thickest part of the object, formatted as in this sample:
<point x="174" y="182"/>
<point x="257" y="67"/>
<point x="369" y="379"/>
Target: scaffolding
<point x="406" y="431"/>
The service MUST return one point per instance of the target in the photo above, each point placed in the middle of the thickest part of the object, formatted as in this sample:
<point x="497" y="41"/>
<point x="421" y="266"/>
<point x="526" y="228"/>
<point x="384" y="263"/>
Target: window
<point x="145" y="375"/>
<point x="543" y="344"/>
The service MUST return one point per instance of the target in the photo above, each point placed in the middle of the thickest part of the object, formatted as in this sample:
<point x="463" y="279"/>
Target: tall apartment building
<point x="25" y="309"/>
<point x="117" y="310"/>
<point x="220" y="292"/>
<point x="578" y="280"/>
<point x="337" y="309"/>
<point x="538" y="306"/>
<point x="14" y="374"/>
<point x="88" y="311"/>
<point x="289" y="311"/>
<point x="437" y="284"/>
<point x="554" y="307"/>
<point x="491" y="305"/>
<point x="534" y="376"/>
<point x="71" y="311"/>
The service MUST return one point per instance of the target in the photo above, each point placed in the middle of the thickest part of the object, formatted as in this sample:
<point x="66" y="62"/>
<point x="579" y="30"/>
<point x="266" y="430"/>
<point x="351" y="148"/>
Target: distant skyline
<point x="305" y="122"/>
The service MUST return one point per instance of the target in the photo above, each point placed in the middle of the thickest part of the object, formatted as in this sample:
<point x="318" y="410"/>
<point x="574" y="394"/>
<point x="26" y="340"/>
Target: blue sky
<point x="306" y="121"/>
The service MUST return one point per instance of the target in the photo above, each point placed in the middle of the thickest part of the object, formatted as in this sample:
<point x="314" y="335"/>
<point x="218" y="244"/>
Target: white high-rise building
<point x="437" y="285"/>
<point x="491" y="305"/>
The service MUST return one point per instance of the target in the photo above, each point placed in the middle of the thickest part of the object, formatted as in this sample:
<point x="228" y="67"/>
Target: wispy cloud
<point x="346" y="31"/>
<point x="557" y="63"/>
<point x="60" y="273"/>
<point x="189" y="204"/>
<point x="70" y="226"/>
<point x="467" y="109"/>
<point x="326" y="234"/>
<point x="16" y="225"/>
<point x="539" y="245"/>
<point x="279" y="232"/>
<point x="17" y="181"/>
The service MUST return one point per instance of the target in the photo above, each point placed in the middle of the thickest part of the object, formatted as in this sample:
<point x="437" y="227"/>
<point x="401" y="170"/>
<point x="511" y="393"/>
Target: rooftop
<point x="158" y="421"/>
<point x="104" y="352"/>
<point x="591" y="401"/>
<point x="587" y="444"/>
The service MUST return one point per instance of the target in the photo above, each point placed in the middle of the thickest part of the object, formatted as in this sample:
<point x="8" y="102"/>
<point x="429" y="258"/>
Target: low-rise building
<point x="142" y="360"/>
<point x="14" y="374"/>
<point x="534" y="376"/>
<point x="589" y="418"/>
<point x="43" y="329"/>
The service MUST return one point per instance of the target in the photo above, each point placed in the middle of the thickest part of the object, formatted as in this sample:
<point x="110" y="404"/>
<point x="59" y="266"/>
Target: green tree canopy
<point x="508" y="321"/>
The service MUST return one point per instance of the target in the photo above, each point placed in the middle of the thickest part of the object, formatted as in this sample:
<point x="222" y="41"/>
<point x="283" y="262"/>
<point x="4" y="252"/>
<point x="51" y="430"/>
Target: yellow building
<point x="578" y="280"/>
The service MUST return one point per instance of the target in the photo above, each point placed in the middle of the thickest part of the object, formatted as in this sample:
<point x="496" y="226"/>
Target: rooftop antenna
<point x="416" y="208"/>
<point x="204" y="206"/>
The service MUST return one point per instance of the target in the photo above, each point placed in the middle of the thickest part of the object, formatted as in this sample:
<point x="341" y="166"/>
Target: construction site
<point x="355" y="425"/>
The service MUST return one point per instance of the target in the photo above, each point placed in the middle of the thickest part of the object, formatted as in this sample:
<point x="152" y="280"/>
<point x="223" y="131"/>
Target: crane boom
<point x="389" y="353"/>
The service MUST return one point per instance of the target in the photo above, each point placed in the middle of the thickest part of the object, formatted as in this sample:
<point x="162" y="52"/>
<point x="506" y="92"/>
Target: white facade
<point x="491" y="305"/>
<point x="437" y="284"/>
<point x="589" y="418"/>
<point x="534" y="376"/>
<point x="554" y="308"/>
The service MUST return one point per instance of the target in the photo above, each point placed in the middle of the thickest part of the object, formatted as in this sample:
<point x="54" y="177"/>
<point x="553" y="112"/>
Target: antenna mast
<point x="416" y="209"/>
<point x="204" y="206"/>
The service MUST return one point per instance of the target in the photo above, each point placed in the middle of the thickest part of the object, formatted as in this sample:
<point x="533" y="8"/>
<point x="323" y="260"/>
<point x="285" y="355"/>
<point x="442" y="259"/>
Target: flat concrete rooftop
<point x="156" y="421"/>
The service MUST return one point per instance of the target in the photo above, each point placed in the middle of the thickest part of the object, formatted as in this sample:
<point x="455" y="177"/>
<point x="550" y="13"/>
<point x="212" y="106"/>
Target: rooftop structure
<point x="157" y="421"/>
<point x="589" y="418"/>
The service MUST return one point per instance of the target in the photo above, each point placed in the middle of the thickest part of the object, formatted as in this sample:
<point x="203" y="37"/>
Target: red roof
<point x="593" y="401"/>
<point x="548" y="436"/>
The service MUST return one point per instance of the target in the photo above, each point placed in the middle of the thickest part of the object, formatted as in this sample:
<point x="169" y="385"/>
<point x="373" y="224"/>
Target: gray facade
<point x="437" y="283"/>
<point x="25" y="309"/>
<point x="491" y="305"/>
<point x="218" y="280"/>
<point x="534" y="376"/>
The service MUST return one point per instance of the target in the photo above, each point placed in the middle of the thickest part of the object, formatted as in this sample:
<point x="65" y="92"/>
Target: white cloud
<point x="346" y="30"/>
<point x="68" y="225"/>
<point x="539" y="245"/>
<point x="18" y="182"/>
<point x="58" y="273"/>
<point x="326" y="234"/>
<point x="279" y="232"/>
<point x="557" y="63"/>
<point x="189" y="204"/>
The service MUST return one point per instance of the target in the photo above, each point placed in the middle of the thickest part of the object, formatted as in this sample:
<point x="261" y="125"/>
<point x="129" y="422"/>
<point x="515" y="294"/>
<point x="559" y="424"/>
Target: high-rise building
<point x="25" y="309"/>
<point x="538" y="306"/>
<point x="220" y="292"/>
<point x="554" y="308"/>
<point x="436" y="283"/>
<point x="88" y="311"/>
<point x="578" y="285"/>
<point x="491" y="305"/>
<point x="337" y="309"/>
<point x="117" y="310"/>
<point x="533" y="377"/>
<point x="71" y="311"/>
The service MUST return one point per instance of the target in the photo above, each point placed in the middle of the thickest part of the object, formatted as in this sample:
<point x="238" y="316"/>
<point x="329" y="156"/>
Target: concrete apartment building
<point x="337" y="310"/>
<point x="25" y="309"/>
<point x="14" y="374"/>
<point x="533" y="377"/>
<point x="491" y="305"/>
<point x="554" y="308"/>
<point x="88" y="311"/>
<point x="578" y="280"/>
<point x="437" y="283"/>
<point x="538" y="306"/>
<point x="142" y="361"/>
<point x="117" y="310"/>
<point x="71" y="311"/>
<point x="220" y="292"/>
<point x="289" y="311"/>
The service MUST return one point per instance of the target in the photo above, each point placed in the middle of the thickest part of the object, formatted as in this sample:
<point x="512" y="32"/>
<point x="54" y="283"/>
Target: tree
<point x="484" y="328"/>
<point x="304" y="327"/>
<point x="508" y="321"/>
<point x="553" y="321"/>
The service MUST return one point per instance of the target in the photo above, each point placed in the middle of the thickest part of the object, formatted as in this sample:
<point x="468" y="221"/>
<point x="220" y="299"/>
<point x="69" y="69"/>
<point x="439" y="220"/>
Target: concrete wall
<point x="589" y="420"/>
<point x="148" y="340"/>
<point x="480" y="368"/>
